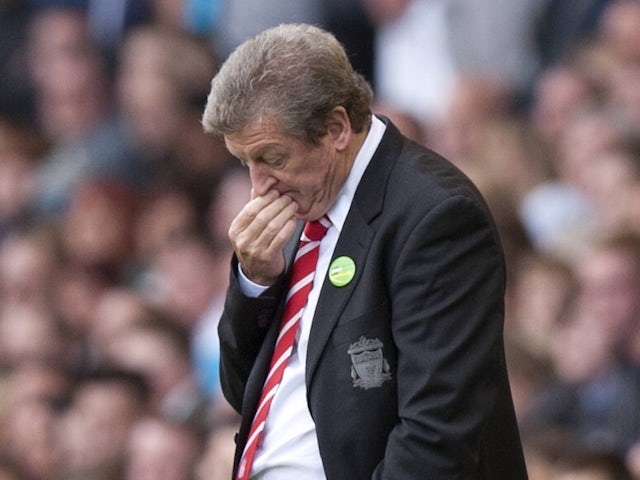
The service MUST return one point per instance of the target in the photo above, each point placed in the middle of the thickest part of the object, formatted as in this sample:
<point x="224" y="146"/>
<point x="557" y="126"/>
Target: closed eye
<point x="273" y="161"/>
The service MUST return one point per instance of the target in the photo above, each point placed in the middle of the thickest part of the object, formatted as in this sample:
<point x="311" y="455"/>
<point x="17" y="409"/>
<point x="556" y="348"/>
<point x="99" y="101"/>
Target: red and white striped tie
<point x="302" y="274"/>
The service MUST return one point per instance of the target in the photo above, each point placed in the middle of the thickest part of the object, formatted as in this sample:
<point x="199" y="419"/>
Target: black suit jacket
<point x="405" y="373"/>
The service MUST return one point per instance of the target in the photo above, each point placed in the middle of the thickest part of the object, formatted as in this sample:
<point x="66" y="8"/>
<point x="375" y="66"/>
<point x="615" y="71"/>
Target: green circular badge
<point x="342" y="271"/>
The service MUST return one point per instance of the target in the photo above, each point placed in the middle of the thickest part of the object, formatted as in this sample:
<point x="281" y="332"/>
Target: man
<point x="397" y="369"/>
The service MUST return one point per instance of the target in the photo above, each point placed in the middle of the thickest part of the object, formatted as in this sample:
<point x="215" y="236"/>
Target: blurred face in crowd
<point x="152" y="354"/>
<point x="558" y="94"/>
<point x="28" y="434"/>
<point x="586" y="137"/>
<point x="160" y="451"/>
<point x="37" y="381"/>
<point x="609" y="289"/>
<point x="67" y="72"/>
<point x="115" y="311"/>
<point x="620" y="29"/>
<point x="230" y="196"/>
<point x="187" y="280"/>
<point x="96" y="230"/>
<point x="95" y="429"/>
<point x="28" y="333"/>
<point x="580" y="348"/>
<point x="26" y="267"/>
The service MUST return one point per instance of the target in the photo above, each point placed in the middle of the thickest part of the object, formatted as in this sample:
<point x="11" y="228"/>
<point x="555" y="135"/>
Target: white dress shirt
<point x="289" y="449"/>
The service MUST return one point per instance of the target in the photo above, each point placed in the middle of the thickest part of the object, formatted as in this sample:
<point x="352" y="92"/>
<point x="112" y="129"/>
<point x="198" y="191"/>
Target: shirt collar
<point x="338" y="212"/>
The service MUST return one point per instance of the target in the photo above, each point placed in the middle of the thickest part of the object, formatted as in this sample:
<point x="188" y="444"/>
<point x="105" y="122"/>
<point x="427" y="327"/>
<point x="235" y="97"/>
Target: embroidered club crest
<point x="369" y="368"/>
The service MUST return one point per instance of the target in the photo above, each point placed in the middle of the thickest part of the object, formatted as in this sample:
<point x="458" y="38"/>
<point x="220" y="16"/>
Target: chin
<point x="314" y="212"/>
<point x="308" y="217"/>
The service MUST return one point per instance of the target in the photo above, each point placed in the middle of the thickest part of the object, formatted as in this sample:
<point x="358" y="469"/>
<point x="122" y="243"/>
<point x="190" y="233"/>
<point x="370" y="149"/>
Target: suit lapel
<point x="354" y="241"/>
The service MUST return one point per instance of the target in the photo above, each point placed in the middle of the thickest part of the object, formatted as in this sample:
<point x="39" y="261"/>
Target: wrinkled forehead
<point x="256" y="133"/>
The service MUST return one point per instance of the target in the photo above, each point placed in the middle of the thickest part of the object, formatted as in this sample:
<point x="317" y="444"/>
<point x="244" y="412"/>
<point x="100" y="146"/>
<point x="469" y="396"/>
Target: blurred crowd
<point x="114" y="208"/>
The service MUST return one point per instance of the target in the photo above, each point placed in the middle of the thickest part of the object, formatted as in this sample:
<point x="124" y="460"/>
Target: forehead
<point x="256" y="137"/>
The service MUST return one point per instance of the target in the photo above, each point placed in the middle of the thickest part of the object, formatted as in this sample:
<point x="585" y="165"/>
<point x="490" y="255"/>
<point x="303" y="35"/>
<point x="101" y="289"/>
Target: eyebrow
<point x="274" y="148"/>
<point x="271" y="149"/>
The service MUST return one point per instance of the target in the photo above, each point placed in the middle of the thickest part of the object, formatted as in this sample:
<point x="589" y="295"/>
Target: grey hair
<point x="293" y="74"/>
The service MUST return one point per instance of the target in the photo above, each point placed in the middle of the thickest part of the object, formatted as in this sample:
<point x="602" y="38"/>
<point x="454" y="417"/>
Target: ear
<point x="339" y="128"/>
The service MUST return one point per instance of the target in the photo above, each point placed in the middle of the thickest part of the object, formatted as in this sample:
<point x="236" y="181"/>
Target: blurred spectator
<point x="423" y="47"/>
<point x="624" y="95"/>
<point x="217" y="459"/>
<point x="539" y="295"/>
<point x="555" y="455"/>
<point x="405" y="121"/>
<point x="110" y="20"/>
<point x="348" y="21"/>
<point x="160" y="450"/>
<point x="96" y="229"/>
<point x="162" y="83"/>
<point x="591" y="465"/>
<point x="188" y="284"/>
<point x="158" y="351"/>
<point x="597" y="388"/>
<point x="30" y="438"/>
<point x="631" y="206"/>
<point x="74" y="108"/>
<point x="590" y="133"/>
<point x="542" y="450"/>
<point x="116" y="310"/>
<point x="609" y="282"/>
<point x="564" y="24"/>
<point x="414" y="68"/>
<point x="496" y="40"/>
<point x="595" y="395"/>
<point x="558" y="94"/>
<point x="29" y="333"/>
<point x="91" y="436"/>
<point x="557" y="218"/>
<point x="228" y="198"/>
<point x="620" y="30"/>
<point x="529" y="374"/>
<point x="38" y="381"/>
<point x="8" y="471"/>
<point x="20" y="148"/>
<point x="16" y="94"/>
<point x="608" y="181"/>
<point x="475" y="102"/>
<point x="28" y="261"/>
<point x="565" y="216"/>
<point x="76" y="293"/>
<point x="67" y="72"/>
<point x="237" y="24"/>
<point x="165" y="211"/>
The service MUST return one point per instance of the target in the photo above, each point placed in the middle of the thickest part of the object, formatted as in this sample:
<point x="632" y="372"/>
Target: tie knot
<point x="315" y="230"/>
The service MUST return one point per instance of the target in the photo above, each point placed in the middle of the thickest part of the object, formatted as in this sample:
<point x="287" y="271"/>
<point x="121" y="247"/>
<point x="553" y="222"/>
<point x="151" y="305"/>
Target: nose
<point x="261" y="178"/>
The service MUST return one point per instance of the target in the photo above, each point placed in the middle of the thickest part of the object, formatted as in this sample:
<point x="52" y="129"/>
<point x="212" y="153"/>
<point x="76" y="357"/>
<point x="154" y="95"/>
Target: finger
<point x="263" y="260"/>
<point x="261" y="222"/>
<point x="279" y="229"/>
<point x="248" y="213"/>
<point x="252" y="237"/>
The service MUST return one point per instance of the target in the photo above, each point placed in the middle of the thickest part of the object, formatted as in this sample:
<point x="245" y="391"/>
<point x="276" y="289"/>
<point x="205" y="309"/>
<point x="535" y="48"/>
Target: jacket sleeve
<point x="242" y="329"/>
<point x="447" y="314"/>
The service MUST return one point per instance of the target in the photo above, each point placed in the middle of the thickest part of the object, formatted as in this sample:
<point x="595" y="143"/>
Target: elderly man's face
<point x="311" y="175"/>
